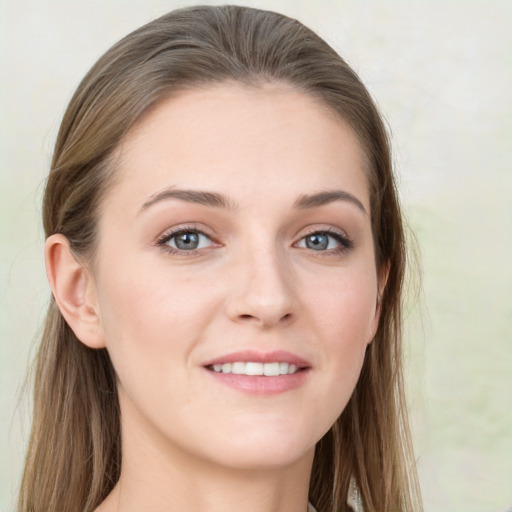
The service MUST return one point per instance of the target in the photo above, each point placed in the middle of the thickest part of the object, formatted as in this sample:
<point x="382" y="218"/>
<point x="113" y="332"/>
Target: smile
<point x="259" y="373"/>
<point x="272" y="369"/>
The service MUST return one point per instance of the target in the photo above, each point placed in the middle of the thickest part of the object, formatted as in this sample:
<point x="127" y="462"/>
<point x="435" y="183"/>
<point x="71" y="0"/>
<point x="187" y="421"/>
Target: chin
<point x="263" y="459"/>
<point x="263" y="449"/>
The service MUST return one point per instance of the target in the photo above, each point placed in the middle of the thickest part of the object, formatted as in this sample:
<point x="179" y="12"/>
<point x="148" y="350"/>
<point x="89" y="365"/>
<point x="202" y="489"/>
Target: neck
<point x="159" y="476"/>
<point x="166" y="487"/>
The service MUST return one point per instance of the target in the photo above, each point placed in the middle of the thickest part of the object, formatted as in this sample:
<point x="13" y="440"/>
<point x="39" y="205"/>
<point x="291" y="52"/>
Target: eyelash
<point x="162" y="242"/>
<point x="345" y="243"/>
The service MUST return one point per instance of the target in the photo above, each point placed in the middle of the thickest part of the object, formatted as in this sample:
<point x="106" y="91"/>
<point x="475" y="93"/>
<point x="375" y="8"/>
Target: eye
<point x="325" y="241"/>
<point x="185" y="240"/>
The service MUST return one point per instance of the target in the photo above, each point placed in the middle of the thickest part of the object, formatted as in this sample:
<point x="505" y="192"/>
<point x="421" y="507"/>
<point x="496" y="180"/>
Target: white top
<point x="354" y="500"/>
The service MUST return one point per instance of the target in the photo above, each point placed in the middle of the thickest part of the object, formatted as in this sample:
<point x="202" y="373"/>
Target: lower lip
<point x="261" y="385"/>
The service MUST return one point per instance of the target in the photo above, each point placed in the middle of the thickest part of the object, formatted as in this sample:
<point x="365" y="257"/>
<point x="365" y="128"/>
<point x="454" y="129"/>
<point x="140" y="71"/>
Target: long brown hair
<point x="74" y="454"/>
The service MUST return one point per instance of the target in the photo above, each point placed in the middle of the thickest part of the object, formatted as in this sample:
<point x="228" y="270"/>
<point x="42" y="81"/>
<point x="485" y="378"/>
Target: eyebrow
<point x="211" y="199"/>
<point x="216" y="200"/>
<point x="324" y="198"/>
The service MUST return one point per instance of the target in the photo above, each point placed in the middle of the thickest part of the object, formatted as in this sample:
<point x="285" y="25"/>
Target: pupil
<point x="317" y="242"/>
<point x="187" y="241"/>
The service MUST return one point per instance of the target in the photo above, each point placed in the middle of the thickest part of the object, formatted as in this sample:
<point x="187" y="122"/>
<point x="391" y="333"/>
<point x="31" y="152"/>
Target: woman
<point x="226" y="255"/>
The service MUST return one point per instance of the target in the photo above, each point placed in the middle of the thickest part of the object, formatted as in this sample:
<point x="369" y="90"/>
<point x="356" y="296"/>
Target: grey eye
<point x="325" y="241"/>
<point x="317" y="241"/>
<point x="188" y="241"/>
<point x="321" y="241"/>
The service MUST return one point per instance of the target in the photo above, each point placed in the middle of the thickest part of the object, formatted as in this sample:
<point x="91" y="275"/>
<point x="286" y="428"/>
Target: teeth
<point x="252" y="368"/>
<point x="238" y="368"/>
<point x="271" y="369"/>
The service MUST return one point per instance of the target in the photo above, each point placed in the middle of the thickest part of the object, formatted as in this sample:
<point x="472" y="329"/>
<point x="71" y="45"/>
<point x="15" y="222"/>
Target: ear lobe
<point x="73" y="289"/>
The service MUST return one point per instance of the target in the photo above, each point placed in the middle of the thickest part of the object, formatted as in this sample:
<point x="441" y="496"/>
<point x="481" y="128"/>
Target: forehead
<point x="250" y="142"/>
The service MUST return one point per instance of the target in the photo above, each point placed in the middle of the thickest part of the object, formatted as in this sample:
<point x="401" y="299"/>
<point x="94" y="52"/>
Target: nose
<point x="261" y="291"/>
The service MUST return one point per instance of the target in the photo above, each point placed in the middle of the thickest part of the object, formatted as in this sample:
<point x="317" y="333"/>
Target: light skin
<point x="278" y="255"/>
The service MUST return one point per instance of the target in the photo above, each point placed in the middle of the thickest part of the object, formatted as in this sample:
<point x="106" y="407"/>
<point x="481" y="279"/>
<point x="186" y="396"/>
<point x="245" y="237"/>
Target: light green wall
<point x="442" y="74"/>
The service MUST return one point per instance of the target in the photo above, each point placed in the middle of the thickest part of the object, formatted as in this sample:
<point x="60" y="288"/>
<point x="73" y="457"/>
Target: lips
<point x="262" y="373"/>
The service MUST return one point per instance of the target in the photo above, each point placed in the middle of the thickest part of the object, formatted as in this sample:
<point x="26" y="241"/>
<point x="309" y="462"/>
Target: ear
<point x="73" y="289"/>
<point x="382" y="280"/>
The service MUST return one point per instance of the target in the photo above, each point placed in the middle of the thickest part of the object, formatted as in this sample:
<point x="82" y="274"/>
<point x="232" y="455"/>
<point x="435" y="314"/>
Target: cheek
<point x="151" y="329"/>
<point x="151" y="317"/>
<point x="343" y="315"/>
<point x="345" y="306"/>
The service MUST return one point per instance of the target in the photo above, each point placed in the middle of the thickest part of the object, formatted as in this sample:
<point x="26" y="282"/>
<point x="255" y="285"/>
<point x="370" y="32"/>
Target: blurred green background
<point x="441" y="72"/>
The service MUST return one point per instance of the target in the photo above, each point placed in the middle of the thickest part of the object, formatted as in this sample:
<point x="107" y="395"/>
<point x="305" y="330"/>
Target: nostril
<point x="246" y="316"/>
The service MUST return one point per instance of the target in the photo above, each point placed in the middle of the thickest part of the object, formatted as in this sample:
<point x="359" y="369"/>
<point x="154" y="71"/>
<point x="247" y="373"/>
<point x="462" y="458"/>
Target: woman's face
<point x="236" y="240"/>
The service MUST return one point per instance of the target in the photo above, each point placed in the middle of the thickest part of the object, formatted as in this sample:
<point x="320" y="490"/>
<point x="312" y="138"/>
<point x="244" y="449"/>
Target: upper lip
<point x="254" y="356"/>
